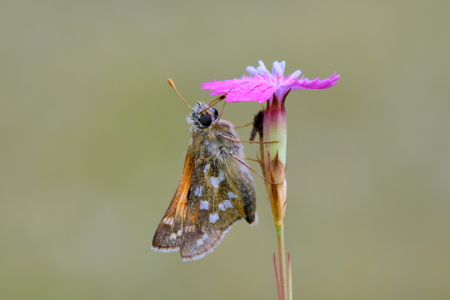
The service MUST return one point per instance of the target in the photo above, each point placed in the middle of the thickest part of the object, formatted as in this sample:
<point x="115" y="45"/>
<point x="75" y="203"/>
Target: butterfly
<point x="215" y="190"/>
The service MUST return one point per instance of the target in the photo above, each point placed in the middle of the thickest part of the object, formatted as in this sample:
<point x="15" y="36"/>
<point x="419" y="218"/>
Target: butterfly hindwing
<point x="215" y="202"/>
<point x="219" y="204"/>
<point x="197" y="242"/>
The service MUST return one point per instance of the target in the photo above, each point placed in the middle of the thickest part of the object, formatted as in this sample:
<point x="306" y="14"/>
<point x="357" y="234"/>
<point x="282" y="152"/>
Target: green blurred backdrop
<point x="93" y="142"/>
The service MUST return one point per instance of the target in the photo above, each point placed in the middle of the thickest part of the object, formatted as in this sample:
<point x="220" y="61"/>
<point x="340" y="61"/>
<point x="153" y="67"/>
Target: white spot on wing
<point x="168" y="221"/>
<point x="215" y="181"/>
<point x="173" y="236"/>
<point x="221" y="207"/>
<point x="231" y="195"/>
<point x="198" y="190"/>
<point x="204" y="204"/>
<point x="179" y="233"/>
<point x="227" y="204"/>
<point x="199" y="242"/>
<point x="205" y="236"/>
<point x="213" y="217"/>
<point x="206" y="168"/>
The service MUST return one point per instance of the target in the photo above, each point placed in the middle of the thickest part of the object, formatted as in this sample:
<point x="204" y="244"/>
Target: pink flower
<point x="264" y="84"/>
<point x="273" y="88"/>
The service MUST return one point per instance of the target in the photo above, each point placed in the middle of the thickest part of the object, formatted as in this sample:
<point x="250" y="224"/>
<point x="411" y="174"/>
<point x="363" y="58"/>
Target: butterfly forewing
<point x="168" y="235"/>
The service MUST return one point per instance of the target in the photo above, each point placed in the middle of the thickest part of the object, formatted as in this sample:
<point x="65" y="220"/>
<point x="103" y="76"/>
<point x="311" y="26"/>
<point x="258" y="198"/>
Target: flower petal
<point x="295" y="74"/>
<point x="277" y="69"/>
<point x="316" y="84"/>
<point x="220" y="87"/>
<point x="245" y="89"/>
<point x="252" y="71"/>
<point x="262" y="84"/>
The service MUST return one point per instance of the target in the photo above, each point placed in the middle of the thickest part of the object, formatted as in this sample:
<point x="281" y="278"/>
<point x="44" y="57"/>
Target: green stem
<point x="282" y="258"/>
<point x="289" y="277"/>
<point x="277" y="276"/>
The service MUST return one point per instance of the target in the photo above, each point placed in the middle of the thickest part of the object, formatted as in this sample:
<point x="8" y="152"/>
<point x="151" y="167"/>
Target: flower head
<point x="263" y="84"/>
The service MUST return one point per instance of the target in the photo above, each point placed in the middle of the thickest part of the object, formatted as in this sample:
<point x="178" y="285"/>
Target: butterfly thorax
<point x="212" y="136"/>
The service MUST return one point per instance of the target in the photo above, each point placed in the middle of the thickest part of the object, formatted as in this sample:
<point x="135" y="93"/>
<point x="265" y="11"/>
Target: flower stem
<point x="289" y="277"/>
<point x="282" y="260"/>
<point x="277" y="276"/>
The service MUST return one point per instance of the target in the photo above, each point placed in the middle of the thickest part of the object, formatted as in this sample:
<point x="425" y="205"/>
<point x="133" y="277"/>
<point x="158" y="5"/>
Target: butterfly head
<point x="203" y="116"/>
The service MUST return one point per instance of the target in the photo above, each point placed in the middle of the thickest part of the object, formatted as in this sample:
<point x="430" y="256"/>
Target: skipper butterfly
<point x="215" y="190"/>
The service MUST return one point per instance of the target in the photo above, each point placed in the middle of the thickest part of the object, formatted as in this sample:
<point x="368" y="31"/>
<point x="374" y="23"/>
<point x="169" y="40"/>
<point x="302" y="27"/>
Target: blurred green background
<point x="93" y="142"/>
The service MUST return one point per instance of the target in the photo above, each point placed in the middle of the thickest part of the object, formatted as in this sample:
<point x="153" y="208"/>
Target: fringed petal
<point x="245" y="89"/>
<point x="220" y="87"/>
<point x="262" y="84"/>
<point x="316" y="84"/>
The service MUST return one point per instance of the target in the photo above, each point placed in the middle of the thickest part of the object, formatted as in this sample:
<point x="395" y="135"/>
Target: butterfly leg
<point x="241" y="141"/>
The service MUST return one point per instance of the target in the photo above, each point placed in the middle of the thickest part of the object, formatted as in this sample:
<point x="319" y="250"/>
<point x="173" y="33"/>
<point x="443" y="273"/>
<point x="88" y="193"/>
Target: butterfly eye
<point x="216" y="113"/>
<point x="205" y="119"/>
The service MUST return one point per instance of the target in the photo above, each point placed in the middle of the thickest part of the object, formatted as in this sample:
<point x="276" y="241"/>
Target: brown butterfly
<point x="215" y="190"/>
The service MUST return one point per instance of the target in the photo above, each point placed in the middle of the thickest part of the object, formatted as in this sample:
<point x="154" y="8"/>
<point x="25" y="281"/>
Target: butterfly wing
<point x="197" y="242"/>
<point x="169" y="232"/>
<point x="220" y="195"/>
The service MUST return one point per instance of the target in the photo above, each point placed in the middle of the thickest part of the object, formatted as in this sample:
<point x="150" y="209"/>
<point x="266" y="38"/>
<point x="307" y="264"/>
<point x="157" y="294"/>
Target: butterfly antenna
<point x="214" y="102"/>
<point x="223" y="109"/>
<point x="172" y="84"/>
